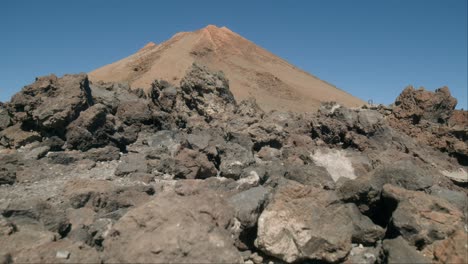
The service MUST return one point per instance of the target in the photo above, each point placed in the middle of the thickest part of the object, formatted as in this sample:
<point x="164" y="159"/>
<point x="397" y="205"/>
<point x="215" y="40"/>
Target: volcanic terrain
<point x="251" y="70"/>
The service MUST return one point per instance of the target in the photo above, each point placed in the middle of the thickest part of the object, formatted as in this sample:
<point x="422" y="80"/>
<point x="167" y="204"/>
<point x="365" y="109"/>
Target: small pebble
<point x="62" y="254"/>
<point x="256" y="258"/>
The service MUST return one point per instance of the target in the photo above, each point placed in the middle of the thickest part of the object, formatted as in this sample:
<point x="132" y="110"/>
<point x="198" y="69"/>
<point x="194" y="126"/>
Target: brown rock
<point x="52" y="103"/>
<point x="453" y="249"/>
<point x="421" y="218"/>
<point x="178" y="229"/>
<point x="420" y="104"/>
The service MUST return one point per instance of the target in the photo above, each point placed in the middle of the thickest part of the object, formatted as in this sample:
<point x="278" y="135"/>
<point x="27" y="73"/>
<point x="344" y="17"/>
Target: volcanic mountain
<point x="251" y="70"/>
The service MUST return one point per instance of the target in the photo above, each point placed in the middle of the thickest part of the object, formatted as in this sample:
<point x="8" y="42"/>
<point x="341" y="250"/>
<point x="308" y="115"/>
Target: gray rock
<point x="5" y="119"/>
<point x="366" y="191"/>
<point x="166" y="140"/>
<point x="37" y="213"/>
<point x="269" y="154"/>
<point x="37" y="153"/>
<point x="9" y="164"/>
<point x="459" y="199"/>
<point x="93" y="128"/>
<point x="234" y="158"/>
<point x="420" y="218"/>
<point x="364" y="230"/>
<point x="130" y="164"/>
<point x="249" y="204"/>
<point x="207" y="93"/>
<point x="107" y="153"/>
<point x="310" y="175"/>
<point x="63" y="157"/>
<point x="397" y="250"/>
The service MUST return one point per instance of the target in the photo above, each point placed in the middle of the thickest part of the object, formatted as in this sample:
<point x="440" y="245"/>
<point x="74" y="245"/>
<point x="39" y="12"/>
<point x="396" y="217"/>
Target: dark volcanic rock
<point x="105" y="173"/>
<point x="5" y="118"/>
<point x="93" y="128"/>
<point x="51" y="103"/>
<point x="397" y="250"/>
<point x="15" y="137"/>
<point x="420" y="218"/>
<point x="420" y="104"/>
<point x="207" y="93"/>
<point x="9" y="164"/>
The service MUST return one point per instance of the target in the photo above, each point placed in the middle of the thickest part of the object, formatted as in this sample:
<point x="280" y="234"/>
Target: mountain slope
<point x="251" y="70"/>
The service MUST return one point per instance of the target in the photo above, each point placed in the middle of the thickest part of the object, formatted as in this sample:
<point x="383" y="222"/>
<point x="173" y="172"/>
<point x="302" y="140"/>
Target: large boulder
<point x="366" y="191"/>
<point x="420" y="104"/>
<point x="15" y="137"/>
<point x="308" y="223"/>
<point x="51" y="103"/>
<point x="234" y="158"/>
<point x="207" y="92"/>
<point x="249" y="204"/>
<point x="176" y="229"/>
<point x="421" y="218"/>
<point x="135" y="112"/>
<point x="93" y="128"/>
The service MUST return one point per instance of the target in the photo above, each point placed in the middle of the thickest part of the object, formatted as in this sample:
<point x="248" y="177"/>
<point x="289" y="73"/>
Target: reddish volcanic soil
<point x="251" y="70"/>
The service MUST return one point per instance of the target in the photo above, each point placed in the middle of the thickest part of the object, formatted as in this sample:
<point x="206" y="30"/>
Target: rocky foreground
<point x="100" y="173"/>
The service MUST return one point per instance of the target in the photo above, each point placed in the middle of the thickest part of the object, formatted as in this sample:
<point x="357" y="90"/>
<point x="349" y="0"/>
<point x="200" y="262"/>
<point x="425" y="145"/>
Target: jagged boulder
<point x="421" y="218"/>
<point x="420" y="104"/>
<point x="207" y="92"/>
<point x="93" y="128"/>
<point x="308" y="223"/>
<point x="51" y="103"/>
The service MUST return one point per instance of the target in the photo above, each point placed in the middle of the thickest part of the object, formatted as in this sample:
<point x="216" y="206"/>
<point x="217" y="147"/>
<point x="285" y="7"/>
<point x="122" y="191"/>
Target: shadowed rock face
<point x="99" y="172"/>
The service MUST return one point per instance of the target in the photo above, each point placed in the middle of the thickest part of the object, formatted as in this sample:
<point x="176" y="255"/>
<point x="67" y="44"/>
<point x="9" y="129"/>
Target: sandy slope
<point x="252" y="71"/>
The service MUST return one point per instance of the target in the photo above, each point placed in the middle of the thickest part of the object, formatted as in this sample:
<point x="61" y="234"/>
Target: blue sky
<point x="370" y="48"/>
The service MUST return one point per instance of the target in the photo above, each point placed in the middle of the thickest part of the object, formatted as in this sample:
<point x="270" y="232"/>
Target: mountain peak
<point x="252" y="71"/>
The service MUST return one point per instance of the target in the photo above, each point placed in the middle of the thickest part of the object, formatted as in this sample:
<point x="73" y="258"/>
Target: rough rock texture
<point x="51" y="103"/>
<point x="98" y="172"/>
<point x="420" y="218"/>
<point x="452" y="249"/>
<point x="308" y="223"/>
<point x="421" y="104"/>
<point x="188" y="229"/>
<point x="397" y="250"/>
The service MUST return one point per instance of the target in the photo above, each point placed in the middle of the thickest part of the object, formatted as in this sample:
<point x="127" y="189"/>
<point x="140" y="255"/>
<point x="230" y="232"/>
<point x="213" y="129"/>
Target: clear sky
<point x="370" y="48"/>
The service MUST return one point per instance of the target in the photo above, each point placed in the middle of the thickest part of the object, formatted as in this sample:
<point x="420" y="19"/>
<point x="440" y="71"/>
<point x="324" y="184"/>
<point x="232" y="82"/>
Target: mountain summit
<point x="251" y="70"/>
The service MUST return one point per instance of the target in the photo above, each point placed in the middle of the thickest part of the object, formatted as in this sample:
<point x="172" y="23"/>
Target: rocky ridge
<point x="98" y="172"/>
